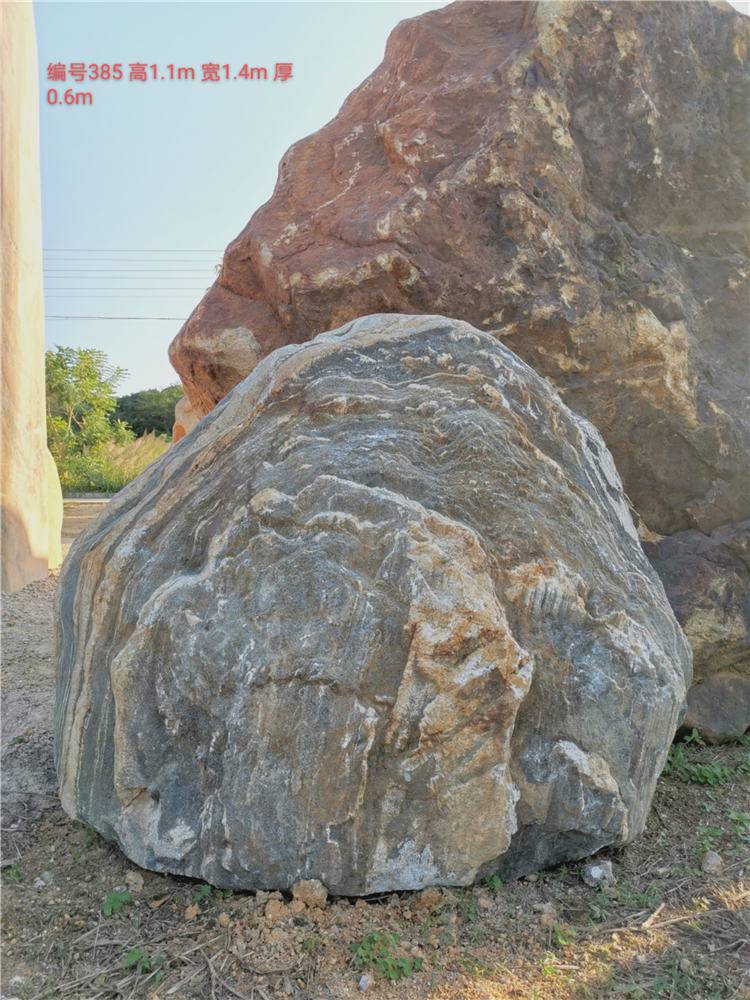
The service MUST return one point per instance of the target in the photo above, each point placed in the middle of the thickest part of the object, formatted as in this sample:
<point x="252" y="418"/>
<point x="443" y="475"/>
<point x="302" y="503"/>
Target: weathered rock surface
<point x="54" y="512"/>
<point x="185" y="419"/>
<point x="707" y="580"/>
<point x="568" y="176"/>
<point x="482" y="172"/>
<point x="381" y="620"/>
<point x="31" y="495"/>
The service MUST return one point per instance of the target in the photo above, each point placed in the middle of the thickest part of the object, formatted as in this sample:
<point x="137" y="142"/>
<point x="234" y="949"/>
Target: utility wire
<point x="177" y="319"/>
<point x="134" y="262"/>
<point x="130" y="270"/>
<point x="135" y="298"/>
<point x="129" y="250"/>
<point x="122" y="288"/>
<point x="113" y="295"/>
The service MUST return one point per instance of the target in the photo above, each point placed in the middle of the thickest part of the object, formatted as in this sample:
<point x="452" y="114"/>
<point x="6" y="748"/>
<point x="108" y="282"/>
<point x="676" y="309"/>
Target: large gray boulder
<point x="382" y="619"/>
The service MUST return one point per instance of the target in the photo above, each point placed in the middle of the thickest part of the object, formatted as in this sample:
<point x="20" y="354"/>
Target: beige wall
<point x="31" y="499"/>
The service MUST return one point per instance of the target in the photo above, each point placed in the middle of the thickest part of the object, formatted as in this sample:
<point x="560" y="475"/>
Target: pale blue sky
<point x="176" y="166"/>
<point x="162" y="168"/>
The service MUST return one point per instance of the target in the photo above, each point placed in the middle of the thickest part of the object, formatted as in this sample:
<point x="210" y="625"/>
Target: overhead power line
<point x="172" y="319"/>
<point x="129" y="270"/>
<point x="128" y="260"/>
<point x="115" y="250"/>
<point x="111" y="295"/>
<point x="122" y="288"/>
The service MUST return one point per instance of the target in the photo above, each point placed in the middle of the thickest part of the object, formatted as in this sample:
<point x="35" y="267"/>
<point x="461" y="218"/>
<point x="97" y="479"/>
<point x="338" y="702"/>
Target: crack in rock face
<point x="568" y="176"/>
<point x="382" y="620"/>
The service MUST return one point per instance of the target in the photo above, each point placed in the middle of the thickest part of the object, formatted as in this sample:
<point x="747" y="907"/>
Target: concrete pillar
<point x="31" y="497"/>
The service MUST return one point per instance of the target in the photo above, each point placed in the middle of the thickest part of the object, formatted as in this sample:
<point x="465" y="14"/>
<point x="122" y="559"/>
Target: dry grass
<point x="123" y="462"/>
<point x="109" y="467"/>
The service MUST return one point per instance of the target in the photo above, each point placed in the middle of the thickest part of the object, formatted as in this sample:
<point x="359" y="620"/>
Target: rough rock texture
<point x="54" y="512"/>
<point x="482" y="172"/>
<point x="31" y="496"/>
<point x="707" y="580"/>
<point x="381" y="620"/>
<point x="569" y="176"/>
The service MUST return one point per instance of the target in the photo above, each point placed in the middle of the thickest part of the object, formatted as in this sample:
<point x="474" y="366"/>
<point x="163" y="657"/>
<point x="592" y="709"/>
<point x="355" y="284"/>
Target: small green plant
<point x="709" y="837"/>
<point x="633" y="898"/>
<point x="691" y="772"/>
<point x="116" y="901"/>
<point x="467" y="908"/>
<point x="494" y="883"/>
<point x="599" y="912"/>
<point x="548" y="967"/>
<point x="696" y="738"/>
<point x="141" y="962"/>
<point x="740" y="826"/>
<point x="202" y="893"/>
<point x="376" y="951"/>
<point x="710" y="801"/>
<point x="12" y="873"/>
<point x="311" y="944"/>
<point x="563" y="936"/>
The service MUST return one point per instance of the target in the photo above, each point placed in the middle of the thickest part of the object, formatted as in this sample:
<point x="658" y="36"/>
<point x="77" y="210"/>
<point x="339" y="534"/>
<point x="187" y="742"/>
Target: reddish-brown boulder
<point x="707" y="580"/>
<point x="566" y="176"/>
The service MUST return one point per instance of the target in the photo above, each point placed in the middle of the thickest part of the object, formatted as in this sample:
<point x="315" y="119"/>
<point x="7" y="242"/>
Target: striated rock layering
<point x="707" y="580"/>
<point x="570" y="177"/>
<point x="382" y="620"/>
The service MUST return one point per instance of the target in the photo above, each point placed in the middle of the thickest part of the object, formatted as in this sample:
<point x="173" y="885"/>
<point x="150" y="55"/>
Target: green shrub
<point x="376" y="952"/>
<point x="115" y="901"/>
<point x="93" y="450"/>
<point x="680" y="766"/>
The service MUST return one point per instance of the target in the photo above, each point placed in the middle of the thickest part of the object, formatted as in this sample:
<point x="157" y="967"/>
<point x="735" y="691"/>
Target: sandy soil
<point x="664" y="929"/>
<point x="28" y="691"/>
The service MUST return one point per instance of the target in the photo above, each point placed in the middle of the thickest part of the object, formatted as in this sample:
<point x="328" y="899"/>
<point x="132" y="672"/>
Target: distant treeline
<point x="148" y="410"/>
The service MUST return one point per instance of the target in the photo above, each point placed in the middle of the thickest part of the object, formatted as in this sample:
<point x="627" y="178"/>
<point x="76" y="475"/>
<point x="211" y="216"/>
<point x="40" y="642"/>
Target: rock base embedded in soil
<point x="707" y="580"/>
<point x="381" y="620"/>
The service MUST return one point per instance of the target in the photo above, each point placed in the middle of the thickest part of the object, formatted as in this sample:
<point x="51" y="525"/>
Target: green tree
<point x="149" y="410"/>
<point x="81" y="386"/>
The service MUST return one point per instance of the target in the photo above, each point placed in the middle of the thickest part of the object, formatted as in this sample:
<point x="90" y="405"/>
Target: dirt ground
<point x="79" y="920"/>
